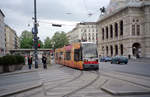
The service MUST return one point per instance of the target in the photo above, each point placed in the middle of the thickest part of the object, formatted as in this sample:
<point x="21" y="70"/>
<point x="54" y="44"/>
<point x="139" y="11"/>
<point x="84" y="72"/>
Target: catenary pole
<point x="35" y="36"/>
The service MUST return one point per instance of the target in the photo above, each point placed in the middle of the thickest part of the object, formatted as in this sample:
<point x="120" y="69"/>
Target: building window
<point x="93" y="30"/>
<point x="89" y="30"/>
<point x="116" y="29"/>
<point x="133" y="29"/>
<point x="96" y="36"/>
<point x="116" y="49"/>
<point x="89" y="34"/>
<point x="96" y="30"/>
<point x="103" y="34"/>
<point x="111" y="50"/>
<point x="111" y="31"/>
<point x="106" y="32"/>
<point x="107" y="50"/>
<point x="89" y="38"/>
<point x="138" y="29"/>
<point x="121" y="27"/>
<point x="103" y="48"/>
<point x="93" y="38"/>
<point x="93" y="34"/>
<point x="121" y="49"/>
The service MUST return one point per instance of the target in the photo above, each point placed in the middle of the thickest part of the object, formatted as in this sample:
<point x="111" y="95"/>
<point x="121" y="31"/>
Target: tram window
<point x="68" y="55"/>
<point x="77" y="55"/>
<point x="61" y="55"/>
<point x="57" y="56"/>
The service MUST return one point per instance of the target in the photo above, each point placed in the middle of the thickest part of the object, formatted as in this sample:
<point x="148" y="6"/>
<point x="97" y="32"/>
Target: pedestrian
<point x="30" y="61"/>
<point x="44" y="61"/>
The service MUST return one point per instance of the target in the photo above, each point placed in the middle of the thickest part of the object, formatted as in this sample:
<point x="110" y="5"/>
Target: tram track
<point x="66" y="82"/>
<point x="85" y="86"/>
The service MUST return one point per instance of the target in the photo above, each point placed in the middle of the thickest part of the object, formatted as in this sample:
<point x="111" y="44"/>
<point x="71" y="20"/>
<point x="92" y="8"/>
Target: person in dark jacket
<point x="30" y="61"/>
<point x="44" y="61"/>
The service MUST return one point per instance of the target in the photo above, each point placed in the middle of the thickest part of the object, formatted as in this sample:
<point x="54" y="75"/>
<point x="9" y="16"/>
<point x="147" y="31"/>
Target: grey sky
<point x="19" y="14"/>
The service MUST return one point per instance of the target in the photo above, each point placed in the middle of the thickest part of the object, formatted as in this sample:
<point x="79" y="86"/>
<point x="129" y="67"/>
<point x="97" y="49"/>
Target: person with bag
<point x="30" y="61"/>
<point x="44" y="59"/>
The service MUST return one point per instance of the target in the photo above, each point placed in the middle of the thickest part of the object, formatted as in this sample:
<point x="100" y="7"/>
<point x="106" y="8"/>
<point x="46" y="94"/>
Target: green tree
<point x="59" y="39"/>
<point x="47" y="43"/>
<point x="26" y="39"/>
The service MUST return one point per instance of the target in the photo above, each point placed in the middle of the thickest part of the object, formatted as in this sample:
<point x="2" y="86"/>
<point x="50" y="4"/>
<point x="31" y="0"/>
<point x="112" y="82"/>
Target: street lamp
<point x="35" y="32"/>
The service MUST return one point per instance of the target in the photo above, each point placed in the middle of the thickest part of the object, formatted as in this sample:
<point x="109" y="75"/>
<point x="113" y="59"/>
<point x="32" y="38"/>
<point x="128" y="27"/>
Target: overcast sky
<point x="19" y="14"/>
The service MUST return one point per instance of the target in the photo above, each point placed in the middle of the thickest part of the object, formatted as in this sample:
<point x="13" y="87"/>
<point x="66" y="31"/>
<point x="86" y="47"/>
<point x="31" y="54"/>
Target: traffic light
<point x="39" y="45"/>
<point x="56" y="25"/>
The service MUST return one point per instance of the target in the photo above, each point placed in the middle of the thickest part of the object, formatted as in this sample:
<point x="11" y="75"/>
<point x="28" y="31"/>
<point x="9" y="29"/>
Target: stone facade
<point x="86" y="31"/>
<point x="11" y="39"/>
<point x="126" y="31"/>
<point x="2" y="34"/>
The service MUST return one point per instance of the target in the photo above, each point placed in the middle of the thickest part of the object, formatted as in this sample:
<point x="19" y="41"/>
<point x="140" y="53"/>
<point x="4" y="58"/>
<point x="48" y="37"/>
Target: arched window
<point x="111" y="50"/>
<point x="121" y="27"/>
<point x="116" y="49"/>
<point x="133" y="29"/>
<point x="116" y="29"/>
<point x="107" y="32"/>
<point x="107" y="50"/>
<point x="111" y="31"/>
<point x="121" y="49"/>
<point x="138" y="29"/>
<point x="102" y="33"/>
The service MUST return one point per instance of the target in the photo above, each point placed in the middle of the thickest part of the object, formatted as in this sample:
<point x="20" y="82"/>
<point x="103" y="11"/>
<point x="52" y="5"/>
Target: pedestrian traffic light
<point x="39" y="45"/>
<point x="56" y="25"/>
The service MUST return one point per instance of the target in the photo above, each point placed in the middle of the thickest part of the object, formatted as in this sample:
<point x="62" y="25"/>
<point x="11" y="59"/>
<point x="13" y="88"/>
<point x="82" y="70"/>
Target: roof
<point x="133" y="4"/>
<point x="2" y="13"/>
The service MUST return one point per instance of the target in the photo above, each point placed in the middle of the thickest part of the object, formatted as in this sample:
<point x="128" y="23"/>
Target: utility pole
<point x="35" y="32"/>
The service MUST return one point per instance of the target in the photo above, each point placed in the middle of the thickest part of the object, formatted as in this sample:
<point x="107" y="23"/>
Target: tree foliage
<point x="47" y="43"/>
<point x="59" y="39"/>
<point x="26" y="39"/>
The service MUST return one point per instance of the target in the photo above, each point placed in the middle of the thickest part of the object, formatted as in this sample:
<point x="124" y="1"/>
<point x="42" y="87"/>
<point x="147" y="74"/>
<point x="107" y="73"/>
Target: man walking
<point x="44" y="61"/>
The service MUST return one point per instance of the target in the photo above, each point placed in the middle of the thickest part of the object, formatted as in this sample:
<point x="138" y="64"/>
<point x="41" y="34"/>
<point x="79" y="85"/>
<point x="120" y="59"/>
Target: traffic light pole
<point x="35" y="36"/>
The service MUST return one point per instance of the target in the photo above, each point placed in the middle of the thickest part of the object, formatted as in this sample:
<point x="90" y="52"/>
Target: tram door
<point x="78" y="58"/>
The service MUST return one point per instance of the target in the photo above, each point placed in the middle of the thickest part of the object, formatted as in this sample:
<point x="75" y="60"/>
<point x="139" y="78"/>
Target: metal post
<point x="35" y="36"/>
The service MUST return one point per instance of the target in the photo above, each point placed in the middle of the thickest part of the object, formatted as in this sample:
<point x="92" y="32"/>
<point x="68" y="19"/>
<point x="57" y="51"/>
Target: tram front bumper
<point x="91" y="66"/>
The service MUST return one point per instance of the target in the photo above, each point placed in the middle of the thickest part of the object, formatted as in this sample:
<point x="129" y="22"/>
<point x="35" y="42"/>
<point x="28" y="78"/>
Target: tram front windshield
<point x="89" y="50"/>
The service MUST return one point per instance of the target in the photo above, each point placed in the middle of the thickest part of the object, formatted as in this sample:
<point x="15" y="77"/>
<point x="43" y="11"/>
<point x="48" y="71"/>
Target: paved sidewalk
<point x="19" y="81"/>
<point x="143" y="60"/>
<point x="126" y="84"/>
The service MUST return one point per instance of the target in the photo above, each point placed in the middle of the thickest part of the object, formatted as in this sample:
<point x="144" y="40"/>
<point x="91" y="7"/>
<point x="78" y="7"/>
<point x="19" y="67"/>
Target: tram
<point x="81" y="55"/>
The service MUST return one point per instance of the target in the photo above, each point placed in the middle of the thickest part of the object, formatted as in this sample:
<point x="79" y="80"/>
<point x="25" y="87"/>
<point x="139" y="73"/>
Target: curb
<point x="123" y="94"/>
<point x="22" y="90"/>
<point x="17" y="72"/>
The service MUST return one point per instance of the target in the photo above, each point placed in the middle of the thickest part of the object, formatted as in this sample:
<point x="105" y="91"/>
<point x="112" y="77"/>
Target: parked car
<point x="119" y="59"/>
<point x="105" y="59"/>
